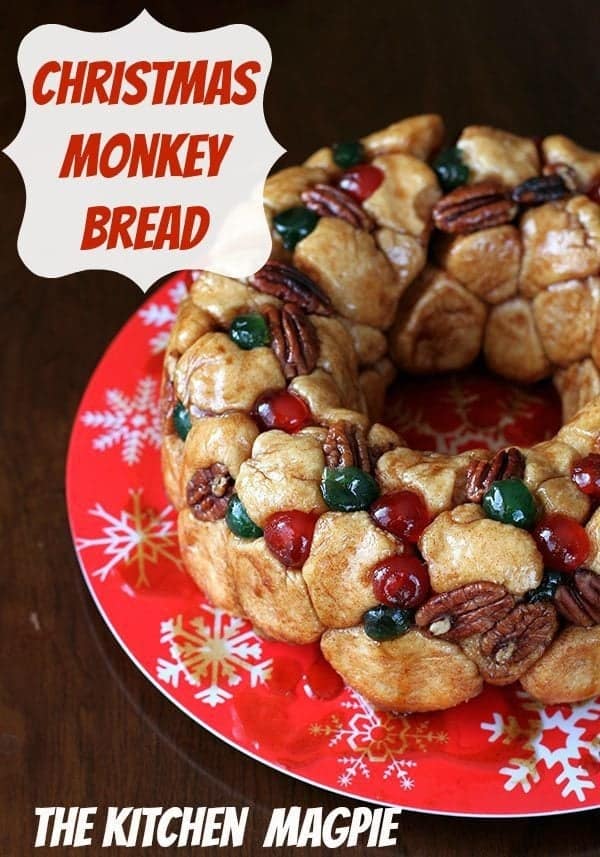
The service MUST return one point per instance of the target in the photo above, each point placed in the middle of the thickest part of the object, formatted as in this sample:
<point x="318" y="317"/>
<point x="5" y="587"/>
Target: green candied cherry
<point x="182" y="422"/>
<point x="383" y="623"/>
<point x="547" y="588"/>
<point x="250" y="331"/>
<point x="348" y="489"/>
<point x="510" y="501"/>
<point x="239" y="521"/>
<point x="450" y="169"/>
<point x="294" y="224"/>
<point x="348" y="154"/>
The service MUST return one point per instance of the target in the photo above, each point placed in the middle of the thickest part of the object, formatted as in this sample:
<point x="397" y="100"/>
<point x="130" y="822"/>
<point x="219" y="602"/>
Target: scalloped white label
<point x="144" y="150"/>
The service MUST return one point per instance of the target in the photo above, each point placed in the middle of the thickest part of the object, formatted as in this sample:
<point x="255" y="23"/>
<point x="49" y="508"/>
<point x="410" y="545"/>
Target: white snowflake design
<point x="141" y="536"/>
<point x="571" y="733"/>
<point x="131" y="422"/>
<point x="212" y="652"/>
<point x="460" y="400"/>
<point x="376" y="738"/>
<point x="162" y="315"/>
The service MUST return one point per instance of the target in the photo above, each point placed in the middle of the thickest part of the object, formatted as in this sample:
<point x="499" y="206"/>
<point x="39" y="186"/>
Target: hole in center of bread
<point x="471" y="409"/>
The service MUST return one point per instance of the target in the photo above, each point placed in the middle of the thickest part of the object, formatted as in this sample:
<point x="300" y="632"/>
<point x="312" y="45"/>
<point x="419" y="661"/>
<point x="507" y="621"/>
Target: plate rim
<point x="230" y="742"/>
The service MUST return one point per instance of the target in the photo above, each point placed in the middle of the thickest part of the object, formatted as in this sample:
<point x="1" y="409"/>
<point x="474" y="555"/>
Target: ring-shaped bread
<point x="423" y="575"/>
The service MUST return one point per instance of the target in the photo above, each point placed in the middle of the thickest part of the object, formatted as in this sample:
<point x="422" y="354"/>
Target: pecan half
<point x="579" y="600"/>
<point x="328" y="201"/>
<point x="472" y="207"/>
<point x="294" y="339"/>
<point x="346" y="446"/>
<point x="462" y="612"/>
<point x="208" y="491"/>
<point x="505" y="464"/>
<point x="517" y="640"/>
<point x="291" y="286"/>
<point x="540" y="189"/>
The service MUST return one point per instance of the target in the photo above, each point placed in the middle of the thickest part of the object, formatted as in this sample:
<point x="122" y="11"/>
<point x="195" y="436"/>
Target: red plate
<point x="499" y="755"/>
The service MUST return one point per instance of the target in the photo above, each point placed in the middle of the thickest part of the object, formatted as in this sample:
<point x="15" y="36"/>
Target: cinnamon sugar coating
<point x="375" y="288"/>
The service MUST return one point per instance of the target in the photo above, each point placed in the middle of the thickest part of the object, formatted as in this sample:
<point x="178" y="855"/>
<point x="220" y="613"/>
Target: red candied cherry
<point x="401" y="581"/>
<point x="586" y="474"/>
<point x="402" y="513"/>
<point x="289" y="536"/>
<point x="282" y="410"/>
<point x="361" y="181"/>
<point x="562" y="541"/>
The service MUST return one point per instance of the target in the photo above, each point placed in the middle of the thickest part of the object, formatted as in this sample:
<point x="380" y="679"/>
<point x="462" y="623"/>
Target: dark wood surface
<point x="79" y="725"/>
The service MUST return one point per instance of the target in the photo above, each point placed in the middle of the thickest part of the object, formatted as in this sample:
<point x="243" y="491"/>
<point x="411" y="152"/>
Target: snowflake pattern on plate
<point x="376" y="738"/>
<point x="210" y="652"/>
<point x="574" y="729"/>
<point x="160" y="315"/>
<point x="499" y="754"/>
<point x="138" y="537"/>
<point x="472" y="410"/>
<point x="129" y="422"/>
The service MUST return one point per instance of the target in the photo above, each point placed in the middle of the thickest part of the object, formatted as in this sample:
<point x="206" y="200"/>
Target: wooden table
<point x="79" y="724"/>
